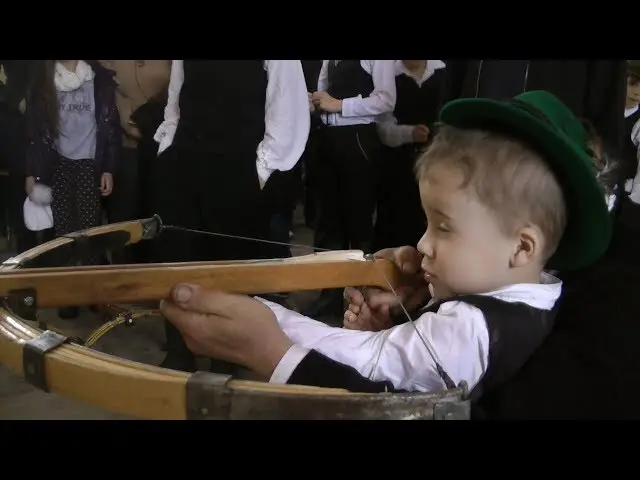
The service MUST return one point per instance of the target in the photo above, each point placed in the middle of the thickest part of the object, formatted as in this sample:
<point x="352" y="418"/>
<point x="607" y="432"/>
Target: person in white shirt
<point x="351" y="95"/>
<point x="230" y="125"/>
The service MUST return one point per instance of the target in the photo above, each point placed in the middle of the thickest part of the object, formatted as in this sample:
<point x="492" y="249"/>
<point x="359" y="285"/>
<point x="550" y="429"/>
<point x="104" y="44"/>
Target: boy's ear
<point x="528" y="248"/>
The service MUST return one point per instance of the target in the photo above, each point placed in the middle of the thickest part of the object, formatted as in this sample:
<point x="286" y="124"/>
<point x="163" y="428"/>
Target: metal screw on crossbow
<point x="29" y="301"/>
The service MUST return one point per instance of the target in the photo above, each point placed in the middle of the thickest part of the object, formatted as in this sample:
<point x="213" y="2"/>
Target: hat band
<point x="530" y="109"/>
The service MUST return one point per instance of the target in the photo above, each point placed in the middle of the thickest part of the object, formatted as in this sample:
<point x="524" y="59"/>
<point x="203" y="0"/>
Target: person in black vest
<point x="351" y="95"/>
<point x="231" y="126"/>
<point x="502" y="203"/>
<point x="592" y="89"/>
<point x="404" y="133"/>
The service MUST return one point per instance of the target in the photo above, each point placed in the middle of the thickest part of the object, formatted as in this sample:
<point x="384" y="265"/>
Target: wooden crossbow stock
<point x="53" y="363"/>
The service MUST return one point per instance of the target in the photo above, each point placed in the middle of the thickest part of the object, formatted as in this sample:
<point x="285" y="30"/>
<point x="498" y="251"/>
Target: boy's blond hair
<point x="507" y="176"/>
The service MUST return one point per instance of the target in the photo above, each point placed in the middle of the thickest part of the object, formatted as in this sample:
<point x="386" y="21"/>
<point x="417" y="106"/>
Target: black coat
<point x="592" y="89"/>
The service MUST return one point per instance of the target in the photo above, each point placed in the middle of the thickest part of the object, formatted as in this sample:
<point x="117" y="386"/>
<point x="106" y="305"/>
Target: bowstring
<point x="449" y="383"/>
<point x="239" y="237"/>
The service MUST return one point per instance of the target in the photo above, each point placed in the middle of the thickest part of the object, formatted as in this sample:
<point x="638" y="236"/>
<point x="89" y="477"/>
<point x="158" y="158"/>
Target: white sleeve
<point x="287" y="119"/>
<point x="167" y="129"/>
<point x="392" y="134"/>
<point x="457" y="332"/>
<point x="383" y="97"/>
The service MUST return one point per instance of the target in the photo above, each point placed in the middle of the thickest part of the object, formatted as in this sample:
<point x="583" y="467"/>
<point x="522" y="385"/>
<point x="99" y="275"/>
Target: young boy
<point x="509" y="188"/>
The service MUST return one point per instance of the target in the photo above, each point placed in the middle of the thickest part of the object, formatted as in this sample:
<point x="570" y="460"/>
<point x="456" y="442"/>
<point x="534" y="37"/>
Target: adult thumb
<point x="200" y="300"/>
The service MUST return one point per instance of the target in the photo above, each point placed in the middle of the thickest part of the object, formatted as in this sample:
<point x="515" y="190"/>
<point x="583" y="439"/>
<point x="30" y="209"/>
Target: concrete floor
<point x="142" y="343"/>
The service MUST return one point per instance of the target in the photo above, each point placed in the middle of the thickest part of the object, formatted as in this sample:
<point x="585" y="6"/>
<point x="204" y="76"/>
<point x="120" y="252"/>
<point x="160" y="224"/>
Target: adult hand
<point x="235" y="328"/>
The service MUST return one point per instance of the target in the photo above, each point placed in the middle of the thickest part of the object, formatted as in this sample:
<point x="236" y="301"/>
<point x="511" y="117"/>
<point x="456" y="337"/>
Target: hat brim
<point x="588" y="230"/>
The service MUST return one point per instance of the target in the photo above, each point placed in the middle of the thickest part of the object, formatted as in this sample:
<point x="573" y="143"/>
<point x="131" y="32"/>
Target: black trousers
<point x="345" y="170"/>
<point x="400" y="219"/>
<point x="124" y="202"/>
<point x="13" y="142"/>
<point x="77" y="202"/>
<point x="216" y="193"/>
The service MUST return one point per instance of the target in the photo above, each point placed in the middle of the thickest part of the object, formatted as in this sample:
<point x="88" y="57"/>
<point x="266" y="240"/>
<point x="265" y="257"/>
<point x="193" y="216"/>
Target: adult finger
<point x="349" y="318"/>
<point x="353" y="295"/>
<point x="379" y="299"/>
<point x="407" y="259"/>
<point x="197" y="299"/>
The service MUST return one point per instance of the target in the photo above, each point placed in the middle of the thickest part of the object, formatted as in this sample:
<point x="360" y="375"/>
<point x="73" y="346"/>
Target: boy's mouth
<point x="428" y="275"/>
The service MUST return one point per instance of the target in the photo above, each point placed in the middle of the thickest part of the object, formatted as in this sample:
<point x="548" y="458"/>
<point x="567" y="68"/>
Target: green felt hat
<point x="547" y="125"/>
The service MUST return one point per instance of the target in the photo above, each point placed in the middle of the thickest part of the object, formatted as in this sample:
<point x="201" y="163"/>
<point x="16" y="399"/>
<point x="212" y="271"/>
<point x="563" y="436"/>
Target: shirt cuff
<point x="166" y="128"/>
<point x="406" y="133"/>
<point x="164" y="135"/>
<point x="264" y="172"/>
<point x="288" y="363"/>
<point x="349" y="105"/>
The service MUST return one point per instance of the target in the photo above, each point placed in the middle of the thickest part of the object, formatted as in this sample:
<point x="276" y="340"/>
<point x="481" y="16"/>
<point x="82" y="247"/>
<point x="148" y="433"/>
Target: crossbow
<point x="55" y="363"/>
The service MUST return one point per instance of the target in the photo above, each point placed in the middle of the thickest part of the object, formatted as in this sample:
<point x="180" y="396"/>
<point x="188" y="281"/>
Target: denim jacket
<point x="41" y="152"/>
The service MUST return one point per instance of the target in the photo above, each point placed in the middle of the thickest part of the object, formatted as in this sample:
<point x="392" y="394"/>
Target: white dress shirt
<point x="457" y="332"/>
<point x="287" y="119"/>
<point x="359" y="110"/>
<point x="392" y="134"/>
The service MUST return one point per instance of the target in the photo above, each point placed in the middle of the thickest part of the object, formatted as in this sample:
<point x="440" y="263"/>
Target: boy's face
<point x="633" y="91"/>
<point x="465" y="251"/>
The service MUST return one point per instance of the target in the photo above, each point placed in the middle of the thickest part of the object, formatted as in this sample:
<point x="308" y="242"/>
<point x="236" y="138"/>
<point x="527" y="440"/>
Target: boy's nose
<point x="425" y="245"/>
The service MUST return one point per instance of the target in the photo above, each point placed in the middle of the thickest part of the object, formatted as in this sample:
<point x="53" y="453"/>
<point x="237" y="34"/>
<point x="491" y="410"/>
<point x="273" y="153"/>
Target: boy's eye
<point x="442" y="227"/>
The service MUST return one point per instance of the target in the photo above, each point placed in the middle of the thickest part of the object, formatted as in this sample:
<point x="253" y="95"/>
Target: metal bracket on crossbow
<point x="23" y="303"/>
<point x="33" y="356"/>
<point x="151" y="228"/>
<point x="457" y="410"/>
<point x="208" y="397"/>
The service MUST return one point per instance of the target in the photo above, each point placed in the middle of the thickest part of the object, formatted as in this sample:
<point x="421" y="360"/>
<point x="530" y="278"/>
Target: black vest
<point x="418" y="104"/>
<point x="222" y="105"/>
<point x="516" y="330"/>
<point x="348" y="79"/>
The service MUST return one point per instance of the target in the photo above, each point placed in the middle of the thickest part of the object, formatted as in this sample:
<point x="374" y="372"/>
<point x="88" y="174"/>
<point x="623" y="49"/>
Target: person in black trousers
<point x="351" y="95"/>
<point x="13" y="144"/>
<point x="400" y="219"/>
<point x="230" y="126"/>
